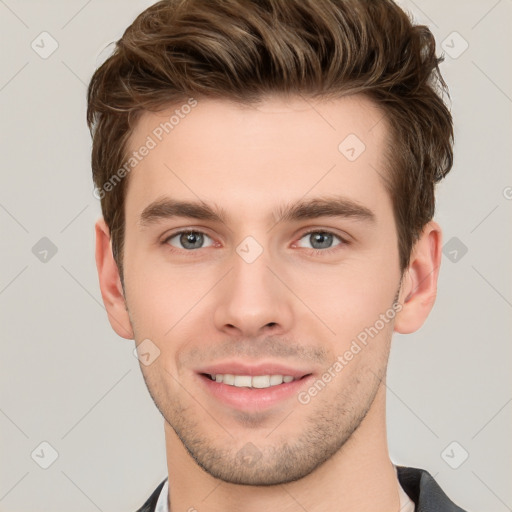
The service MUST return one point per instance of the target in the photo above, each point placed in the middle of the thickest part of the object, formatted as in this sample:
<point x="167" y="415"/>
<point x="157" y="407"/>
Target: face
<point x="261" y="260"/>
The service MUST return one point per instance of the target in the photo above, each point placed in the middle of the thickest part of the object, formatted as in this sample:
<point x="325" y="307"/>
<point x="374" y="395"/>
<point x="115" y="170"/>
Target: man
<point x="266" y="171"/>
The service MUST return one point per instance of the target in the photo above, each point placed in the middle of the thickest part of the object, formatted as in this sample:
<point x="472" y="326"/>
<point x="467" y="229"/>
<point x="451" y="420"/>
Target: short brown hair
<point x="245" y="50"/>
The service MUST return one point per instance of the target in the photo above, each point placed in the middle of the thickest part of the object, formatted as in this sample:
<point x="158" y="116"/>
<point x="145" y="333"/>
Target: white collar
<point x="162" y="505"/>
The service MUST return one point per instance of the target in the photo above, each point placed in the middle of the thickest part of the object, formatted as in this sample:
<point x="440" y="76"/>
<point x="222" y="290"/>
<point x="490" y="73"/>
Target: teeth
<point x="247" y="381"/>
<point x="262" y="381"/>
<point x="227" y="379"/>
<point x="243" y="381"/>
<point x="276" y="379"/>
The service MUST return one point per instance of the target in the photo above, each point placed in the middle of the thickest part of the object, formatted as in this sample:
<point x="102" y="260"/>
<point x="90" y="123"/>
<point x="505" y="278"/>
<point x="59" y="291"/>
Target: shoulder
<point x="421" y="487"/>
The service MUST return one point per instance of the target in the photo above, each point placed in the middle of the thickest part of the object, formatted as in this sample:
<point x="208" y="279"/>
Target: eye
<point x="319" y="240"/>
<point x="189" y="240"/>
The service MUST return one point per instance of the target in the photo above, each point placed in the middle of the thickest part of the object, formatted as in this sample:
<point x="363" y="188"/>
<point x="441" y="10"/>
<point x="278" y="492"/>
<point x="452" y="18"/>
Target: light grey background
<point x="67" y="379"/>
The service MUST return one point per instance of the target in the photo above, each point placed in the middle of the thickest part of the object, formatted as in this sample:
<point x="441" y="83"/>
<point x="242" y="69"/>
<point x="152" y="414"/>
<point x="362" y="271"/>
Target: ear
<point x="110" y="283"/>
<point x="419" y="285"/>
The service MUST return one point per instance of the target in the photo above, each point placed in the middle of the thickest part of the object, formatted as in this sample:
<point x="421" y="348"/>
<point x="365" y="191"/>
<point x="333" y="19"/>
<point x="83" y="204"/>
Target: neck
<point x="359" y="477"/>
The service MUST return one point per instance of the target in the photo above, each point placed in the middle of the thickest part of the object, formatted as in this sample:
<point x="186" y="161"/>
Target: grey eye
<point x="319" y="240"/>
<point x="190" y="240"/>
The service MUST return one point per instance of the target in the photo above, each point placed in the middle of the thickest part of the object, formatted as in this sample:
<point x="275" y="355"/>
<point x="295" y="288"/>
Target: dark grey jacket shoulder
<point x="421" y="487"/>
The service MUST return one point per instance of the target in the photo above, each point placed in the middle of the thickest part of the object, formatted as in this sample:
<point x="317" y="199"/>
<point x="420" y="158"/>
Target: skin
<point x="292" y="305"/>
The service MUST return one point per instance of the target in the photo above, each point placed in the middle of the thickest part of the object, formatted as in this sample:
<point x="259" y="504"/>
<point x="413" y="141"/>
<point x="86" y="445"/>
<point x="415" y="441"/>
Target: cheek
<point x="160" y="295"/>
<point x="348" y="298"/>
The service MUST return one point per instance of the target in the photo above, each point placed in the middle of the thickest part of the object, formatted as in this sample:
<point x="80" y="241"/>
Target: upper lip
<point x="262" y="368"/>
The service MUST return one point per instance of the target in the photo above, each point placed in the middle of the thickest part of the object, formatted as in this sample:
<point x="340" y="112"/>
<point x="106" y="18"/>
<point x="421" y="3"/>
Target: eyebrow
<point x="168" y="208"/>
<point x="332" y="206"/>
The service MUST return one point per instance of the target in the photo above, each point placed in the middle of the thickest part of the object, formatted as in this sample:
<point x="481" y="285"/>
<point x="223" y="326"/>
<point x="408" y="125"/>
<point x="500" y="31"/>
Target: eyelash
<point x="316" y="252"/>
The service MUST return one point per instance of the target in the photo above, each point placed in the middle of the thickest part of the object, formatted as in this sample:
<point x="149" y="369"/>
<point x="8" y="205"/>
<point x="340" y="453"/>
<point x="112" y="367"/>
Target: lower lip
<point x="253" y="399"/>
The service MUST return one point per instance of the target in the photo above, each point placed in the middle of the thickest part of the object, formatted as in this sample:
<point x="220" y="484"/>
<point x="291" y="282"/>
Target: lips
<point x="236" y="368"/>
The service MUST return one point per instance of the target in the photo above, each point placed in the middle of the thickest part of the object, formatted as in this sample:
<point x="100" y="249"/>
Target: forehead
<point x="277" y="149"/>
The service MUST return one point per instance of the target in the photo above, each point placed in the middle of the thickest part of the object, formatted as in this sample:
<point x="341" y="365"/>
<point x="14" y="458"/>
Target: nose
<point x="251" y="301"/>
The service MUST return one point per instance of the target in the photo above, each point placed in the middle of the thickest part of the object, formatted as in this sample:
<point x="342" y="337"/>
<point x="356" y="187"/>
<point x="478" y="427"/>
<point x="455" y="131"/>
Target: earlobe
<point x="419" y="284"/>
<point x="110" y="283"/>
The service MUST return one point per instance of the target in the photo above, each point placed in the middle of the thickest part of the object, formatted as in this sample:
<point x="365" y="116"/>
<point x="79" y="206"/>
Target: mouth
<point x="252" y="388"/>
